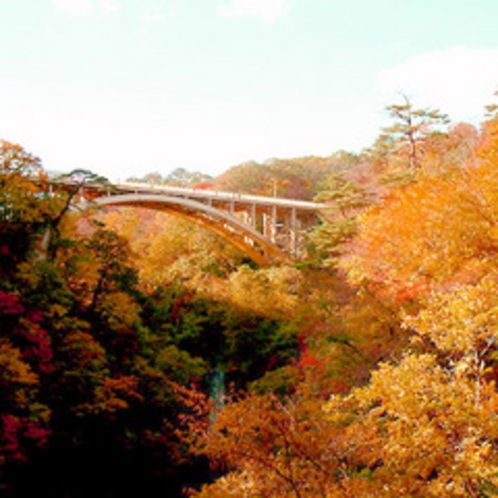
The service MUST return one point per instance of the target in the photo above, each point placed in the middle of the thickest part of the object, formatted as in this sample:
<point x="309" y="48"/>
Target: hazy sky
<point x="129" y="87"/>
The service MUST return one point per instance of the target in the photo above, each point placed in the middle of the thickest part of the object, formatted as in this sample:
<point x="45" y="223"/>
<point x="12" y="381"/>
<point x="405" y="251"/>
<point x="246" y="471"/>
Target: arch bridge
<point x="267" y="229"/>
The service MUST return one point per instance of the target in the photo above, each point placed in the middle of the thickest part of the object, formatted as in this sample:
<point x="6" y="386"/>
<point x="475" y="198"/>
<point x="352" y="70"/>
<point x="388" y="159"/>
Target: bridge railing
<point x="216" y="194"/>
<point x="271" y="223"/>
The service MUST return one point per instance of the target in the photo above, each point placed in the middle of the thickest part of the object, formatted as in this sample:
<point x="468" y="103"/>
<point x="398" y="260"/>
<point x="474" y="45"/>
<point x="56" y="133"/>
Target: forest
<point x="141" y="355"/>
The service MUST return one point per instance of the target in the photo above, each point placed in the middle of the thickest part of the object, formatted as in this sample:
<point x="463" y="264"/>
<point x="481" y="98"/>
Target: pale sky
<point x="129" y="87"/>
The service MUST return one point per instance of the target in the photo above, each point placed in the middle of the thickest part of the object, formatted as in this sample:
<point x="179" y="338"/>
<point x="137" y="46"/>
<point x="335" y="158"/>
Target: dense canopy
<point x="142" y="355"/>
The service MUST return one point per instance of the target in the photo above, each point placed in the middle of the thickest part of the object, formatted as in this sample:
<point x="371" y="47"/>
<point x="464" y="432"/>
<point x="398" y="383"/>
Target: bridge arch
<point x="253" y="244"/>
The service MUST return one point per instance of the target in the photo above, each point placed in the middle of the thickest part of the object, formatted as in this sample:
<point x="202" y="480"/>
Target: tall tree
<point x="345" y="199"/>
<point x="397" y="155"/>
<point x="412" y="127"/>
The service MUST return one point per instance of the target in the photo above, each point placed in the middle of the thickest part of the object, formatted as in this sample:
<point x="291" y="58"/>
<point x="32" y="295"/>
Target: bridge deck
<point x="267" y="229"/>
<point x="144" y="188"/>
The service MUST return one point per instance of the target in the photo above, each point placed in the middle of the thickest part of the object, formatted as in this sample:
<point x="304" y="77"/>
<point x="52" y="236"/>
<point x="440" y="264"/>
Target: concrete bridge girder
<point x="243" y="236"/>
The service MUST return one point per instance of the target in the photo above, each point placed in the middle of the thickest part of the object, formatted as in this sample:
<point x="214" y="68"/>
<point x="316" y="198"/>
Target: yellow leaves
<point x="110" y="395"/>
<point x="488" y="149"/>
<point x="19" y="390"/>
<point x="408" y="392"/>
<point x="119" y="309"/>
<point x="425" y="425"/>
<point x="436" y="230"/>
<point x="232" y="485"/>
<point x="463" y="321"/>
<point x="18" y="199"/>
<point x="116" y="394"/>
<point x="171" y="250"/>
<point x="422" y="424"/>
<point x="434" y="244"/>
<point x="279" y="449"/>
<point x="270" y="292"/>
<point x="12" y="367"/>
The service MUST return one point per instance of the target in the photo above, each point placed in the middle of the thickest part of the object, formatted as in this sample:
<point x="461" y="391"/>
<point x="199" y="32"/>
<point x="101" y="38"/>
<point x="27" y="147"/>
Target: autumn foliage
<point x="105" y="378"/>
<point x="366" y="369"/>
<point x="423" y="266"/>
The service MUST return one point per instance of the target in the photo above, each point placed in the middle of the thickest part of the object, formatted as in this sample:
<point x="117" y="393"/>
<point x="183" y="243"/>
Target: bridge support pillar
<point x="273" y="224"/>
<point x="252" y="218"/>
<point x="293" y="231"/>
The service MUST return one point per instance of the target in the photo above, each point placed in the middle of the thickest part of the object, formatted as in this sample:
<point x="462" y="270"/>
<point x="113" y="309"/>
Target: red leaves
<point x="14" y="431"/>
<point x="309" y="360"/>
<point x="37" y="343"/>
<point x="10" y="304"/>
<point x="11" y="429"/>
<point x="34" y="340"/>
